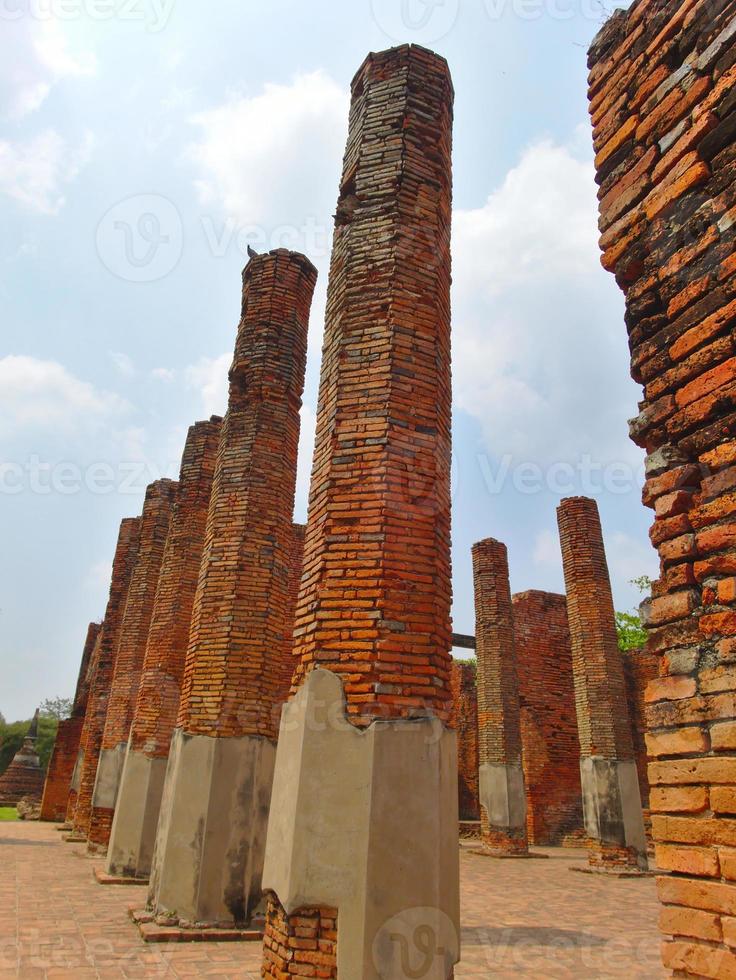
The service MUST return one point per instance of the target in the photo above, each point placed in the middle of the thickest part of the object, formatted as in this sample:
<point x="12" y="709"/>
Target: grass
<point x="8" y="813"/>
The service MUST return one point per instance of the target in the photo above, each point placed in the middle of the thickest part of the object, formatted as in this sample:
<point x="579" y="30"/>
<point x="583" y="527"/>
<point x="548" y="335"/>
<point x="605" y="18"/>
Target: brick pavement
<point x="520" y="919"/>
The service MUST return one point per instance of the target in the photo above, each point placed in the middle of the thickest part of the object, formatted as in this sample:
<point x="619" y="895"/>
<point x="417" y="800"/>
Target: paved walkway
<point x="520" y="919"/>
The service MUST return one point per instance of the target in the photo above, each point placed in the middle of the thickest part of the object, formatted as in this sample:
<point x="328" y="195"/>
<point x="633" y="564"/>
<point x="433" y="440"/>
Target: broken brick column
<point x="662" y="106"/>
<point x="501" y="784"/>
<point x="126" y="553"/>
<point x="611" y="802"/>
<point x="464" y="719"/>
<point x="155" y="521"/>
<point x="362" y="853"/>
<point x="211" y="833"/>
<point x="66" y="744"/>
<point x="157" y="701"/>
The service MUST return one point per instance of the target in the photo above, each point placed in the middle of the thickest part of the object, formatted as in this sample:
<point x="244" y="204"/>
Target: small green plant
<point x="8" y="813"/>
<point x="631" y="634"/>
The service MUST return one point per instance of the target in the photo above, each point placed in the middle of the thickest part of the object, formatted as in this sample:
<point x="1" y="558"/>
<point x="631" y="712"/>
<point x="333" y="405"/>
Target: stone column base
<point x="366" y="823"/>
<point x="613" y="815"/>
<point x="502" y="795"/>
<point x="133" y="836"/>
<point x="211" y="835"/>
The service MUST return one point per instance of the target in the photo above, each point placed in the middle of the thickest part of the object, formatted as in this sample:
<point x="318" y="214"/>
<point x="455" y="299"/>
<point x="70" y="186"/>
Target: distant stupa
<point x="23" y="779"/>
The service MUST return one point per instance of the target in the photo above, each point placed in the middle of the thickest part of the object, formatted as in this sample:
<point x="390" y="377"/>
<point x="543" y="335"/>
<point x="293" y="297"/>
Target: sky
<point x="144" y="144"/>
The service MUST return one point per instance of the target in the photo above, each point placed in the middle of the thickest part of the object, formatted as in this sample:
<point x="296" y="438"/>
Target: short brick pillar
<point x="362" y="840"/>
<point x="222" y="754"/>
<point x="133" y="834"/>
<point x="610" y="783"/>
<point x="66" y="744"/>
<point x="155" y="522"/>
<point x="502" y="789"/>
<point x="126" y="553"/>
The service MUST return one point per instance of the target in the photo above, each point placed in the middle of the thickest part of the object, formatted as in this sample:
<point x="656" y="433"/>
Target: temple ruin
<point x="24" y="778"/>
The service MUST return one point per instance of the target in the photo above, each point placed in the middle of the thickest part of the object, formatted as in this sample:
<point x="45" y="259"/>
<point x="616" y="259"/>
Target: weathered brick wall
<point x="234" y="673"/>
<point x="84" y="697"/>
<point x="499" y="708"/>
<point x="66" y="744"/>
<point x="640" y="667"/>
<point x="549" y="733"/>
<point x="154" y="529"/>
<point x="604" y="727"/>
<point x="94" y="720"/>
<point x="374" y="605"/>
<point x="286" y="657"/>
<point x="157" y="699"/>
<point x="464" y="719"/>
<point x="662" y="106"/>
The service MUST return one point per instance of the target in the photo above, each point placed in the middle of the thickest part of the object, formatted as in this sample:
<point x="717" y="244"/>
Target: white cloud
<point x="539" y="347"/>
<point x="546" y="549"/>
<point x="123" y="362"/>
<point x="34" y="172"/>
<point x="274" y="157"/>
<point x="36" y="394"/>
<point x="167" y="375"/>
<point x="209" y="376"/>
<point x="35" y="54"/>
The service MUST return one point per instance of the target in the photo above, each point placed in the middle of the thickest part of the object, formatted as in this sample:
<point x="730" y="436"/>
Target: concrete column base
<point x="107" y="781"/>
<point x="366" y="822"/>
<point x="502" y="794"/>
<point x="77" y="772"/>
<point x="208" y="857"/>
<point x="612" y="811"/>
<point x="133" y="836"/>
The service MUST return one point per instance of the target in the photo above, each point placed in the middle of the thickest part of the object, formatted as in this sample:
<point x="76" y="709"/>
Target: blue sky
<point x="145" y="143"/>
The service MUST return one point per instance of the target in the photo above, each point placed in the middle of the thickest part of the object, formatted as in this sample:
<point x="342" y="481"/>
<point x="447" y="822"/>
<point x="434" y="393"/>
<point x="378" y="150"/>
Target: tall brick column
<point x="66" y="744"/>
<point x="157" y="701"/>
<point x="155" y="522"/>
<point x="362" y="839"/>
<point x="611" y="801"/>
<point x="502" y="789"/>
<point x="662" y="107"/>
<point x="464" y="719"/>
<point x="211" y="834"/>
<point x="126" y="553"/>
<point x="76" y="775"/>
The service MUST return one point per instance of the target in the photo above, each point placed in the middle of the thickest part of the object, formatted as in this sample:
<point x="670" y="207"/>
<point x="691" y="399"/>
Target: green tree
<point x="631" y="634"/>
<point x="59" y="708"/>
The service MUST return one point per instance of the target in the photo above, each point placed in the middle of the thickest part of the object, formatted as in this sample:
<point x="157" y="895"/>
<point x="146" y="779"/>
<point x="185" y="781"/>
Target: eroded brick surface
<point x="464" y="719"/>
<point x="374" y="604"/>
<point x="234" y="672"/>
<point x="157" y="700"/>
<point x="664" y="74"/>
<point x="154" y="529"/>
<point x="66" y="744"/>
<point x="104" y="665"/>
<point x="549" y="733"/>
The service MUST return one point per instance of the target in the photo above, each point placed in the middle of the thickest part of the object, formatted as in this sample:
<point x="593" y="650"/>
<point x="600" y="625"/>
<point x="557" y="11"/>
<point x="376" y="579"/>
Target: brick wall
<point x="640" y="667"/>
<point x="661" y="101"/>
<point x="549" y="732"/>
<point x="234" y="673"/>
<point x="157" y="699"/>
<point x="99" y="691"/>
<point x="66" y="744"/>
<point x="154" y="529"/>
<point x="85" y="693"/>
<point x="374" y="605"/>
<point x="464" y="719"/>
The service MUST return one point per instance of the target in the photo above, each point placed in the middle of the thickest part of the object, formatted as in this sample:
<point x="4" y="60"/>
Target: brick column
<point x="502" y="789"/>
<point x="661" y="101"/>
<point x="126" y="553"/>
<point x="362" y="840"/>
<point x="155" y="522"/>
<point x="157" y="701"/>
<point x="611" y="800"/>
<point x="464" y="719"/>
<point x="222" y="754"/>
<point x="76" y="775"/>
<point x="66" y="744"/>
<point x="549" y="728"/>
